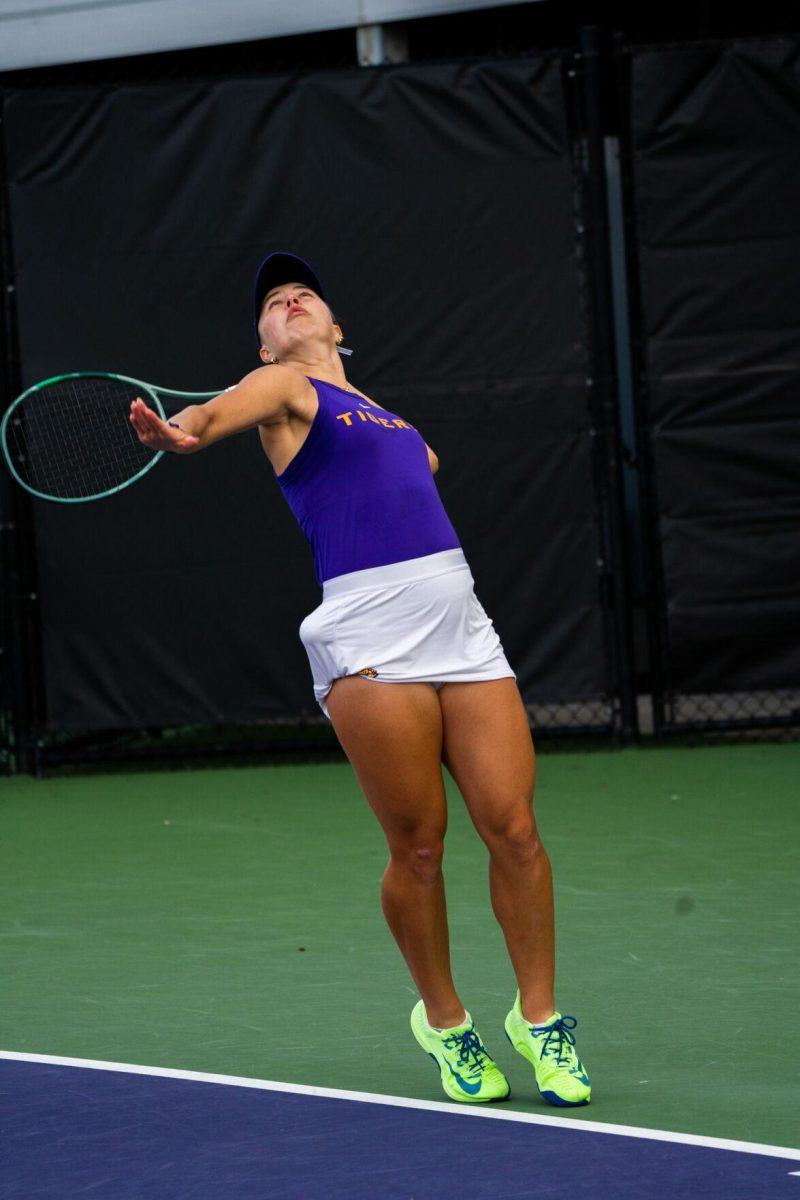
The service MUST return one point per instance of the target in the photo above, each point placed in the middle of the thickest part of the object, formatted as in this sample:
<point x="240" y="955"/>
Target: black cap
<point x="281" y="267"/>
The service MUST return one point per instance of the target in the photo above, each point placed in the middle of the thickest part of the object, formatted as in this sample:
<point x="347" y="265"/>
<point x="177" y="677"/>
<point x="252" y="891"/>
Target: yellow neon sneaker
<point x="468" y="1073"/>
<point x="550" y="1047"/>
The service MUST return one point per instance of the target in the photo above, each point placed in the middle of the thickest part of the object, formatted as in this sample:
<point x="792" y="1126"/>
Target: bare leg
<point x="392" y="735"/>
<point x="487" y="747"/>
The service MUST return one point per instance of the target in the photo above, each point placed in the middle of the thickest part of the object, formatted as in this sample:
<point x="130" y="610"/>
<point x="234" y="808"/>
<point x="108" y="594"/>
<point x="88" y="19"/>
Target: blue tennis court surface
<point x="72" y="1131"/>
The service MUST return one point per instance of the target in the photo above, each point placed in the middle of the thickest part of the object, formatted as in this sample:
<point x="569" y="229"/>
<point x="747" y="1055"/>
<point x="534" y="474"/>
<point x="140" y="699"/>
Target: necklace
<point x="347" y="388"/>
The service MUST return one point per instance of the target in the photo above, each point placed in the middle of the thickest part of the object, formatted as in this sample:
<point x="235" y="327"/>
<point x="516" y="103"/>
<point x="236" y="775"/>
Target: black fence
<point x="617" y="460"/>
<point x="712" y="153"/>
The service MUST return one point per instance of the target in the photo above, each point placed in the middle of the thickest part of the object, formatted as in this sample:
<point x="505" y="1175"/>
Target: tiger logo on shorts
<point x="370" y="672"/>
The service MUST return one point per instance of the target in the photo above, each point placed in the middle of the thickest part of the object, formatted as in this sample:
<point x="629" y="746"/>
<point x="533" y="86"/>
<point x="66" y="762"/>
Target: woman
<point x="407" y="666"/>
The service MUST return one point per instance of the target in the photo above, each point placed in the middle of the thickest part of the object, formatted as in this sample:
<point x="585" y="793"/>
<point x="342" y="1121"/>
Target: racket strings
<point x="72" y="439"/>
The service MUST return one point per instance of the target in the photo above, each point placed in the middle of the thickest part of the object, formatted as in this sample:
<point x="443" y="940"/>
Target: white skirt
<point x="417" y="621"/>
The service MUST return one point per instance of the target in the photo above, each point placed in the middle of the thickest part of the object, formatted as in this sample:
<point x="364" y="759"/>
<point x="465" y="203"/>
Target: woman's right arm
<point x="261" y="397"/>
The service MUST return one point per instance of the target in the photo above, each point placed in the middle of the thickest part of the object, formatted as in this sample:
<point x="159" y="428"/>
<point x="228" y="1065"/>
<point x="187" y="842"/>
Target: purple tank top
<point x="361" y="487"/>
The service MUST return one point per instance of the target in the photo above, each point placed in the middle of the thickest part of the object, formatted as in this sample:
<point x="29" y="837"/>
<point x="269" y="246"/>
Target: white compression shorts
<point x="417" y="621"/>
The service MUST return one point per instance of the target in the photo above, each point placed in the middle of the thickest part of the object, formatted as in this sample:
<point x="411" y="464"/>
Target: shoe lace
<point x="469" y="1045"/>
<point x="558" y="1040"/>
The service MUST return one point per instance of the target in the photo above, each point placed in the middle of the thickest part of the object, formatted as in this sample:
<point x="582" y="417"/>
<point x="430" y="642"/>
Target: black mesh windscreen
<point x="436" y="204"/>
<point x="716" y="169"/>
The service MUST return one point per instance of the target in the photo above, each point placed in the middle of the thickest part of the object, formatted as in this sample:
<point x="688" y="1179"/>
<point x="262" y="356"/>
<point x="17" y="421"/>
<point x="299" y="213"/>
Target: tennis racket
<point x="70" y="438"/>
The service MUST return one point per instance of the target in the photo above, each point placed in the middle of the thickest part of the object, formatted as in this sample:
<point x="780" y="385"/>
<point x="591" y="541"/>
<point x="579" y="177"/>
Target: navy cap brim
<point x="281" y="267"/>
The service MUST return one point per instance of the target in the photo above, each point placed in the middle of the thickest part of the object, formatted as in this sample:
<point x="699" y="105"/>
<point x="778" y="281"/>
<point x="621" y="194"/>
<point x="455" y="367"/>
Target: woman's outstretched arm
<point x="259" y="398"/>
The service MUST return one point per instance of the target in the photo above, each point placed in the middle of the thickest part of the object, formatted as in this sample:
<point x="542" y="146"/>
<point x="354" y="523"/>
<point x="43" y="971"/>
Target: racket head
<point x="69" y="438"/>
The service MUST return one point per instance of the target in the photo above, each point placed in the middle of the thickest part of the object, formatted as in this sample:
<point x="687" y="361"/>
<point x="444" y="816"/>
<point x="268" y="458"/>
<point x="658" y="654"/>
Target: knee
<point x="422" y="858"/>
<point x="516" y="842"/>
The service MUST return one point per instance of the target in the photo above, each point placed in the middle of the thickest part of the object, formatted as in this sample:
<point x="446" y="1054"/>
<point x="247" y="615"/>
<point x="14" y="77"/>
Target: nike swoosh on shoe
<point x="470" y="1088"/>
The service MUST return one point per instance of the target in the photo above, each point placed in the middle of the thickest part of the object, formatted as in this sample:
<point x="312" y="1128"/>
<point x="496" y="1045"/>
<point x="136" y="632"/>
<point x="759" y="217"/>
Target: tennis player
<point x="407" y="666"/>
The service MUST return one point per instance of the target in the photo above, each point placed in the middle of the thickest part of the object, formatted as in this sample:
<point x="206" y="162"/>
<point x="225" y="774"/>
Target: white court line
<point x="463" y="1110"/>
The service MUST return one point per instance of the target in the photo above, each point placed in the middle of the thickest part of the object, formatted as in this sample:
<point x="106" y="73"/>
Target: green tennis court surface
<point x="228" y="921"/>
